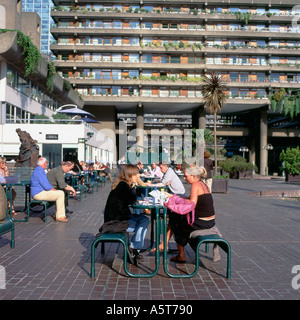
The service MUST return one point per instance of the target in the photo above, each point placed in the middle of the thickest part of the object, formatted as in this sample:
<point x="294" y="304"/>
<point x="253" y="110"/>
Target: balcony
<point x="185" y="14"/>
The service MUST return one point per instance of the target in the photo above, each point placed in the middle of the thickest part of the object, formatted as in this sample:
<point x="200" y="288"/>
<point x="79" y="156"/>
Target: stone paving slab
<point x="51" y="261"/>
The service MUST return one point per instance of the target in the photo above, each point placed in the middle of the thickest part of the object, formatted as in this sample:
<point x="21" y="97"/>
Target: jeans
<point x="138" y="224"/>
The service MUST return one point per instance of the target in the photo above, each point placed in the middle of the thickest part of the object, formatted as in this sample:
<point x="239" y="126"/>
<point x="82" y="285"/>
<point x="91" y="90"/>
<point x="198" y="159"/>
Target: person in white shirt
<point x="170" y="179"/>
<point x="155" y="171"/>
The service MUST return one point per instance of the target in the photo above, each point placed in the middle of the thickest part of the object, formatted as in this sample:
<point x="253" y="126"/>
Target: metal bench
<point x="7" y="225"/>
<point x="116" y="237"/>
<point x="91" y="185"/>
<point x="81" y="189"/>
<point x="195" y="244"/>
<point x="109" y="237"/>
<point x="33" y="203"/>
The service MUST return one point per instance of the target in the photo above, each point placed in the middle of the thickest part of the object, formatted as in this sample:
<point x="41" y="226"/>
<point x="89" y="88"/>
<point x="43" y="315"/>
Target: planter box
<point x="247" y="175"/>
<point x="239" y="175"/>
<point x="292" y="178"/>
<point x="220" y="185"/>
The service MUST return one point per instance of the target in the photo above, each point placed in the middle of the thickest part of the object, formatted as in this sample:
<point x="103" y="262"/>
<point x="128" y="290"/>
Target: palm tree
<point x="214" y="98"/>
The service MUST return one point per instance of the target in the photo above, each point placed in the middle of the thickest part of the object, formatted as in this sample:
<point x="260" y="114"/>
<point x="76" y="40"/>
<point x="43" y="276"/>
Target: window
<point x="115" y="90"/>
<point x="147" y="25"/>
<point x="175" y="59"/>
<point x="274" y="77"/>
<point x="117" y="25"/>
<point x="97" y="24"/>
<point x="147" y="58"/>
<point x="148" y="8"/>
<point x="117" y="57"/>
<point x="116" y="74"/>
<point x="10" y="77"/>
<point x="97" y="73"/>
<point x="234" y="77"/>
<point x="146" y="92"/>
<point x="133" y="74"/>
<point x="117" y="41"/>
<point x="106" y="41"/>
<point x="133" y="57"/>
<point x="134" y="41"/>
<point x="134" y="25"/>
<point x="164" y="59"/>
<point x="147" y="41"/>
<point x="106" y="57"/>
<point x="97" y="57"/>
<point x="107" y="24"/>
<point x="174" y="92"/>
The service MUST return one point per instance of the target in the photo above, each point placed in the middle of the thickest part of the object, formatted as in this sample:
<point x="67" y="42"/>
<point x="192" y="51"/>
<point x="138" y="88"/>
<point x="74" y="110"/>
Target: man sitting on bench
<point x="41" y="189"/>
<point x="57" y="179"/>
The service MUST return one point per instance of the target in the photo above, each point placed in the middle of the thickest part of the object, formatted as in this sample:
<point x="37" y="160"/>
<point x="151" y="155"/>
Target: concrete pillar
<point x="140" y="126"/>
<point x="263" y="141"/>
<point x="198" y="118"/>
<point x="107" y="117"/>
<point x="252" y="151"/>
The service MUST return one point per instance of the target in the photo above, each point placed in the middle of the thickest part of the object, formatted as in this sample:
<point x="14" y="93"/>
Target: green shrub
<point x="235" y="164"/>
<point x="291" y="160"/>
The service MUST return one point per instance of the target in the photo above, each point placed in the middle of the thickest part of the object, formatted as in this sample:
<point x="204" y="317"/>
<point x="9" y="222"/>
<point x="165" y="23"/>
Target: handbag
<point x="182" y="206"/>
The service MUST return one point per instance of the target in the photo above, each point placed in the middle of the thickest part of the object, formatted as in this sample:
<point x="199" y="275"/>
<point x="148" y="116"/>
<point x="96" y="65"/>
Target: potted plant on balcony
<point x="291" y="164"/>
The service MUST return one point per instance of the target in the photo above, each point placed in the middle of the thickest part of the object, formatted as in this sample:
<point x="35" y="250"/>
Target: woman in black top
<point x="204" y="214"/>
<point x="123" y="194"/>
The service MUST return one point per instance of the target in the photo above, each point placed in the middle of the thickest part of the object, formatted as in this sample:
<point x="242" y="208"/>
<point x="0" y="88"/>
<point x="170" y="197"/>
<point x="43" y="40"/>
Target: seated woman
<point x="123" y="194"/>
<point x="4" y="173"/>
<point x="204" y="223"/>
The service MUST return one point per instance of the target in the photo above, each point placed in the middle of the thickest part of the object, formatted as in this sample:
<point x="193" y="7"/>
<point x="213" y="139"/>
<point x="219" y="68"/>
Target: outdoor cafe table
<point x="146" y="177"/>
<point x="148" y="189"/>
<point x="155" y="216"/>
<point x="160" y="228"/>
<point x="9" y="194"/>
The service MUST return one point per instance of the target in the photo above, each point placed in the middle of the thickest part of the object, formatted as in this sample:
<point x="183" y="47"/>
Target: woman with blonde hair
<point x="122" y="195"/>
<point x="204" y="214"/>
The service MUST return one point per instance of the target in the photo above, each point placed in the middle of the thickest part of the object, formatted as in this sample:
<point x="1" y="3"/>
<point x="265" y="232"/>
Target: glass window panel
<point x="116" y="74"/>
<point x="134" y="41"/>
<point x="117" y="57"/>
<point x="117" y="24"/>
<point x="117" y="41"/>
<point x="134" y="25"/>
<point x="134" y="57"/>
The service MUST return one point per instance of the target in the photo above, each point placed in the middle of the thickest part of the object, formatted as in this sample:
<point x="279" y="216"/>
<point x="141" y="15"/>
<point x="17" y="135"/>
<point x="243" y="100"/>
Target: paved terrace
<point x="51" y="261"/>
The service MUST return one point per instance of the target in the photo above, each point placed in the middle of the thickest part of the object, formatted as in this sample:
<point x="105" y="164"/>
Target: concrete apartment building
<point x="24" y="98"/>
<point x="146" y="57"/>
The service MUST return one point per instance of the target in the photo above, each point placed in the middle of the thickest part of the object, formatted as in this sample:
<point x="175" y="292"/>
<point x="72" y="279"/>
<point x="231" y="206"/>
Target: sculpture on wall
<point x="29" y="150"/>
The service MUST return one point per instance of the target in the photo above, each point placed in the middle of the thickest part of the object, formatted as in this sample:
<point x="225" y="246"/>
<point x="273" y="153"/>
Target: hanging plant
<point x="67" y="85"/>
<point x="30" y="52"/>
<point x="286" y="102"/>
<point x="243" y="17"/>
<point x="50" y="76"/>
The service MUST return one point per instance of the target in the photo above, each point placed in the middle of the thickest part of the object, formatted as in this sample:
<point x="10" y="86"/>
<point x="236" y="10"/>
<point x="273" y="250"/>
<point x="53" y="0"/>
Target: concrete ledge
<point x="277" y="193"/>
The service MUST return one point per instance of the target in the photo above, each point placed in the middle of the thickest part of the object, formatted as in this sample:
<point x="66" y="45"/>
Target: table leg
<point x="157" y="256"/>
<point x="165" y="260"/>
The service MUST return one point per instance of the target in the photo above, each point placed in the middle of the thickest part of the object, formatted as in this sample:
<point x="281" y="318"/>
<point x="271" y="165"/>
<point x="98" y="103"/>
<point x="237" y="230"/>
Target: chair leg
<point x="102" y="247"/>
<point x="206" y="247"/>
<point x="12" y="241"/>
<point x="45" y="213"/>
